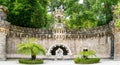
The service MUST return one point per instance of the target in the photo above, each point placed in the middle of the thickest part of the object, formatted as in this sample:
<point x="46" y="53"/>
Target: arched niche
<point x="66" y="50"/>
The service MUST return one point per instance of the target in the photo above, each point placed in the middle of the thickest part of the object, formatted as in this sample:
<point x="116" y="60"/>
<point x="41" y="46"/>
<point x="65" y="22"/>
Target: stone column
<point x="2" y="46"/>
<point x="4" y="27"/>
<point x="117" y="45"/>
<point x="3" y="32"/>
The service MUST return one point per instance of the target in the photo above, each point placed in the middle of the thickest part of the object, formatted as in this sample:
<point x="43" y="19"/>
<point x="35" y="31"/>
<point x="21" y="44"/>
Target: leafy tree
<point x="27" y="13"/>
<point x="90" y="14"/>
<point x="29" y="47"/>
<point x="49" y="21"/>
<point x="116" y="15"/>
<point x="57" y="3"/>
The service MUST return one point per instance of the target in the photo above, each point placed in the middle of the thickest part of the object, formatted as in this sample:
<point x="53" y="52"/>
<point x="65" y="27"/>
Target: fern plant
<point x="86" y="57"/>
<point x="85" y="54"/>
<point x="29" y="47"/>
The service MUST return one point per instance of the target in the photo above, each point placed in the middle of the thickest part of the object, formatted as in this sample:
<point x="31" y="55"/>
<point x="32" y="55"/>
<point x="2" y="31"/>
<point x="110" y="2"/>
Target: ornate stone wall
<point x="98" y="39"/>
<point x="102" y="45"/>
<point x="43" y="33"/>
<point x="103" y="39"/>
<point x="117" y="44"/>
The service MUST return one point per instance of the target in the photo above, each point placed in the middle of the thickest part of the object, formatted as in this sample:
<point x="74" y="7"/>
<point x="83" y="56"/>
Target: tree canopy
<point x="89" y="14"/>
<point x="116" y="13"/>
<point x="27" y="13"/>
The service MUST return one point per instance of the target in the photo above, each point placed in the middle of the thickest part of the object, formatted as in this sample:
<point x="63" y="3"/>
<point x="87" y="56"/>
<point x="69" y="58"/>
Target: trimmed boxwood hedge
<point x="86" y="61"/>
<point x="29" y="61"/>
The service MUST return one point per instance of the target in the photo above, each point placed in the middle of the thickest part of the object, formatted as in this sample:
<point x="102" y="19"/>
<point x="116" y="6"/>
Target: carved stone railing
<point x="66" y="33"/>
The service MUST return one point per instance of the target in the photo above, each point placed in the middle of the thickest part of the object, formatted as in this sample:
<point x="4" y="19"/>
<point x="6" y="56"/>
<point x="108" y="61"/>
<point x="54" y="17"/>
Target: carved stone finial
<point x="58" y="14"/>
<point x="3" y="12"/>
<point x="59" y="18"/>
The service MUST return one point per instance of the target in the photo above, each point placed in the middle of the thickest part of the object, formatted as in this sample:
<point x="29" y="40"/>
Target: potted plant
<point x="86" y="57"/>
<point x="29" y="47"/>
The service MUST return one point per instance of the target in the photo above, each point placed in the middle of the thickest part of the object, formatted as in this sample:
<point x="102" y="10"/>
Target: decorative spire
<point x="58" y="14"/>
<point x="3" y="13"/>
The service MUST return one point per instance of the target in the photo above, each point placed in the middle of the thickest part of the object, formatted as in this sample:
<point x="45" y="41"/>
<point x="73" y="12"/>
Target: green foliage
<point x="85" y="57"/>
<point x="90" y="14"/>
<point x="117" y="23"/>
<point x="57" y="3"/>
<point x="87" y="54"/>
<point x="77" y="60"/>
<point x="117" y="9"/>
<point x="27" y="13"/>
<point x="86" y="61"/>
<point x="117" y="15"/>
<point x="29" y="47"/>
<point x="28" y="61"/>
<point x="49" y="21"/>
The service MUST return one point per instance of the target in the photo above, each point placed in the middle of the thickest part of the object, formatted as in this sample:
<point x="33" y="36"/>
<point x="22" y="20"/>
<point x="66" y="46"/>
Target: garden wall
<point x="97" y="39"/>
<point x="101" y="45"/>
<point x="117" y="44"/>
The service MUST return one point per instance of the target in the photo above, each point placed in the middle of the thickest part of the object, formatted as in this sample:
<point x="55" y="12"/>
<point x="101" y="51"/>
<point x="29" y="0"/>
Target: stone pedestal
<point x="117" y="45"/>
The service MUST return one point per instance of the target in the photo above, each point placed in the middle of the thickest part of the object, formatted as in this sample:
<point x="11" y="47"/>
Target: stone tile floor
<point x="61" y="62"/>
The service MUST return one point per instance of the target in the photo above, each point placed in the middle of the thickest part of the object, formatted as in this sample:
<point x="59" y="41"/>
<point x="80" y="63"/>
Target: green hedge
<point x="29" y="61"/>
<point x="86" y="61"/>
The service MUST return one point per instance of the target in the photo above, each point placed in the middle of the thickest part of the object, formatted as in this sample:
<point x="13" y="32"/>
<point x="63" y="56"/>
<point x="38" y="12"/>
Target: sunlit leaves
<point x="117" y="9"/>
<point x="87" y="53"/>
<point x="117" y="15"/>
<point x="117" y="23"/>
<point x="29" y="47"/>
<point x="90" y="14"/>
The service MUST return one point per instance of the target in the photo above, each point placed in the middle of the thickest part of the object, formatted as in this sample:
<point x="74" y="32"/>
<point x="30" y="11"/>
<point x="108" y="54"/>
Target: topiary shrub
<point x="85" y="57"/>
<point x="29" y="61"/>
